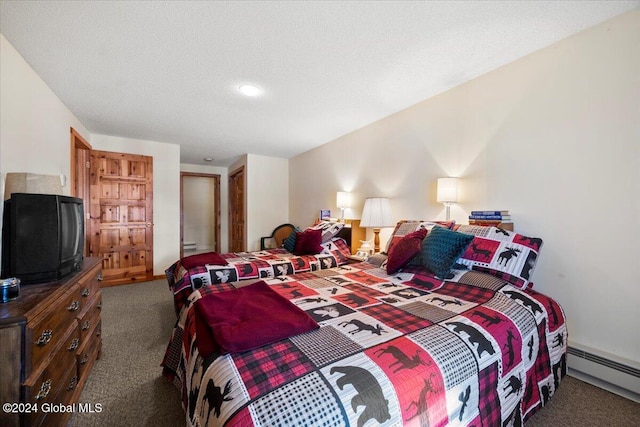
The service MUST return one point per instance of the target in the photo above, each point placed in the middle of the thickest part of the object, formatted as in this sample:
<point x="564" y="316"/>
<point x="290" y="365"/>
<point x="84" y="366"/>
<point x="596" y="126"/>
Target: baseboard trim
<point x="604" y="370"/>
<point x="597" y="382"/>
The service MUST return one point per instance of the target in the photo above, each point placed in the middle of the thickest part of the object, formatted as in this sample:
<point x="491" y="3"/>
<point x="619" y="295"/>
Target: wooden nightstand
<point x="357" y="234"/>
<point x="508" y="226"/>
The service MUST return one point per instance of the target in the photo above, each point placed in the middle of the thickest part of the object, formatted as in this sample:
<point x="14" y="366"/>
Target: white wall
<point x="34" y="123"/>
<point x="267" y="196"/>
<point x="33" y="120"/>
<point x="224" y="197"/>
<point x="166" y="192"/>
<point x="554" y="137"/>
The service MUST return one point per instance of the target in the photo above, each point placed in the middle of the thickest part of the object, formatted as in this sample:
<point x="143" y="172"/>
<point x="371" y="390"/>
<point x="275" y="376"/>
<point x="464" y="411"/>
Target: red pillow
<point x="308" y="242"/>
<point x="404" y="249"/>
<point x="201" y="259"/>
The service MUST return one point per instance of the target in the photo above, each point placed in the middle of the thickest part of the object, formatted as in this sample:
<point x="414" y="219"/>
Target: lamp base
<point x="447" y="211"/>
<point x="376" y="240"/>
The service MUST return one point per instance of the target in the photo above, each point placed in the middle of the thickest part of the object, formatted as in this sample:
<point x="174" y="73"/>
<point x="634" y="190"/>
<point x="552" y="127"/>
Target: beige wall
<point x="34" y="123"/>
<point x="553" y="137"/>
<point x="33" y="120"/>
<point x="267" y="196"/>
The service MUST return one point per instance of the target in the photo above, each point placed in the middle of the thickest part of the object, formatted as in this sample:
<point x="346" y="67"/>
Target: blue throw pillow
<point x="441" y="248"/>
<point x="290" y="242"/>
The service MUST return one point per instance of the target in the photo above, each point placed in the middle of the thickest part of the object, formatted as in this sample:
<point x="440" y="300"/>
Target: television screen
<point x="70" y="229"/>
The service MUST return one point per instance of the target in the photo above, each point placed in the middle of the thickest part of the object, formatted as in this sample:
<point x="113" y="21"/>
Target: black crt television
<point x="42" y="237"/>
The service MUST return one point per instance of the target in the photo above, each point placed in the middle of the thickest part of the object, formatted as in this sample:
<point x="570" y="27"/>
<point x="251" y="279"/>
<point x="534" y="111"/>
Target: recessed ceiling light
<point x="208" y="159"/>
<point x="250" y="90"/>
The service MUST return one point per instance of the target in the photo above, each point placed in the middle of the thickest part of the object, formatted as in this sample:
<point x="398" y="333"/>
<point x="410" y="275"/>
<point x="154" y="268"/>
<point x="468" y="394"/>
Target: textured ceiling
<point x="168" y="71"/>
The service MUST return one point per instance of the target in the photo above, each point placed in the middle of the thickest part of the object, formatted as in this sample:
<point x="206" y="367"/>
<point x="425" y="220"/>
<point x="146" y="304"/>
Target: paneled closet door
<point x="121" y="216"/>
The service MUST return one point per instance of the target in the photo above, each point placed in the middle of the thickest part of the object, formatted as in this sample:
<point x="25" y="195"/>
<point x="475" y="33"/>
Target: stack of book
<point x="500" y="219"/>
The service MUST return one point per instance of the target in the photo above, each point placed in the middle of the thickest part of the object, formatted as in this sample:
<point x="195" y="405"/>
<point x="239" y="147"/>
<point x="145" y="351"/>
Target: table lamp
<point x="376" y="214"/>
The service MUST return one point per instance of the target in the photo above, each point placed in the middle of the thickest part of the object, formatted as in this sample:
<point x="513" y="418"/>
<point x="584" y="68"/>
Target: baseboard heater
<point x="604" y="370"/>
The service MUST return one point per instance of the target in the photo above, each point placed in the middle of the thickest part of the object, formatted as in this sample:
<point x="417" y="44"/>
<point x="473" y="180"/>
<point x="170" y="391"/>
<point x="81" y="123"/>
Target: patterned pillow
<point x="501" y="253"/>
<point x="337" y="248"/>
<point x="329" y="229"/>
<point x="378" y="260"/>
<point x="308" y="242"/>
<point x="407" y="226"/>
<point x="441" y="248"/>
<point x="290" y="242"/>
<point x="404" y="250"/>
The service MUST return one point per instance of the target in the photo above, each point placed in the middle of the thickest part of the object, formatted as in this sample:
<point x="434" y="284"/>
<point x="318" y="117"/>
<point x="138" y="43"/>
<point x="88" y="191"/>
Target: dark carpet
<point x="137" y="321"/>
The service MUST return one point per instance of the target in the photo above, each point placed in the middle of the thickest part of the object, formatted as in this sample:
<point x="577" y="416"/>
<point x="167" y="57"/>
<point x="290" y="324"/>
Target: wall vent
<point x="630" y="370"/>
<point x="615" y="374"/>
<point x="190" y="246"/>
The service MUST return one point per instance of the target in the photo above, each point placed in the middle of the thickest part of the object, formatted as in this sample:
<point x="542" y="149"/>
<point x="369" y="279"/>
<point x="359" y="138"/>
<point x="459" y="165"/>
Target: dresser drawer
<point x="90" y="285"/>
<point x="55" y="415"/>
<point x="69" y="384"/>
<point x="47" y="330"/>
<point x="89" y="351"/>
<point x="46" y="384"/>
<point x="87" y="323"/>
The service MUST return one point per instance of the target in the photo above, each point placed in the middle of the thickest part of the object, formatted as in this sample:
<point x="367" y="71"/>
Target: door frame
<point x="216" y="199"/>
<point x="231" y="196"/>
<point x="79" y="174"/>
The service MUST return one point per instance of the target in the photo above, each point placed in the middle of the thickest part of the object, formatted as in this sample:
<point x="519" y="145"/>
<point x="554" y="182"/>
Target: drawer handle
<point x="45" y="388"/>
<point x="99" y="277"/>
<point x="75" y="305"/>
<point x="99" y="306"/>
<point x="73" y="383"/>
<point x="86" y="325"/>
<point x="44" y="338"/>
<point x="85" y="358"/>
<point x="74" y="344"/>
<point x="86" y="292"/>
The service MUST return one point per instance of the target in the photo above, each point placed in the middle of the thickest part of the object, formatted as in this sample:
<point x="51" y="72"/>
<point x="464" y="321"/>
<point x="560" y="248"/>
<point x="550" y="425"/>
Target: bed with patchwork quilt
<point x="367" y="345"/>
<point x="329" y="249"/>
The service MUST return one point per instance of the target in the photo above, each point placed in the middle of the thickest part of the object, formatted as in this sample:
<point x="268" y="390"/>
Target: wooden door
<point x="236" y="211"/>
<point x="121" y="216"/>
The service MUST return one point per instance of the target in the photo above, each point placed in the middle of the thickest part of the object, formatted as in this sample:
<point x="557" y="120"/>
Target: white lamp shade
<point x="447" y="190"/>
<point x="343" y="200"/>
<point x="376" y="213"/>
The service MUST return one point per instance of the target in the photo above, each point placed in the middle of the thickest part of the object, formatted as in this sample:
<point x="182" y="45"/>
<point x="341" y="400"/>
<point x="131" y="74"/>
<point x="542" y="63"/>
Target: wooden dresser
<point x="49" y="340"/>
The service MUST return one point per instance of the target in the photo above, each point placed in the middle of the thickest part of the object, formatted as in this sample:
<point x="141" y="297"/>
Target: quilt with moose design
<point x="265" y="264"/>
<point x="407" y="349"/>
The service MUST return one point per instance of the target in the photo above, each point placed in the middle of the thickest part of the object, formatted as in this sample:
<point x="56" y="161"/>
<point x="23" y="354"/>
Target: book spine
<point x="493" y="216"/>
<point x="489" y="212"/>
<point x="505" y="225"/>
